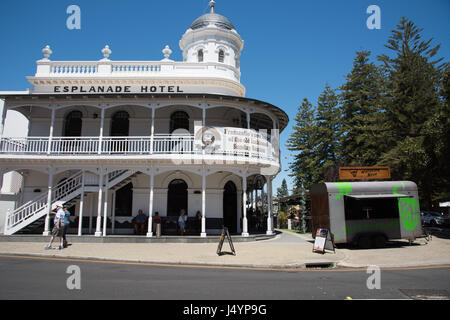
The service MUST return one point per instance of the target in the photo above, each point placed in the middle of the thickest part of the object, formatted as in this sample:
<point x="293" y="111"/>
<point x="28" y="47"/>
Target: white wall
<point x="16" y="125"/>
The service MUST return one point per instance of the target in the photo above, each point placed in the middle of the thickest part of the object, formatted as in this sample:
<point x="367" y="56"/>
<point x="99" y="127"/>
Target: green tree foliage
<point x="395" y="114"/>
<point x="315" y="139"/>
<point x="327" y="128"/>
<point x="413" y="108"/>
<point x="302" y="141"/>
<point x="281" y="193"/>
<point x="361" y="100"/>
<point x="283" y="190"/>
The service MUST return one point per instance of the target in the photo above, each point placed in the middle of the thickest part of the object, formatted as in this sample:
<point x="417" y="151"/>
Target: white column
<point x="80" y="216"/>
<point x="49" y="203"/>
<point x="98" y="230"/>
<point x="92" y="202"/>
<point x="150" y="206"/>
<point x="3" y="119"/>
<point x="203" y="234"/>
<point x="238" y="208"/>
<point x="105" y="210"/>
<point x="50" y="136"/>
<point x="204" y="116"/>
<point x="244" y="207"/>
<point x="269" y="206"/>
<point x="203" y="125"/>
<point x="113" y="213"/>
<point x="100" y="135"/>
<point x="263" y="200"/>
<point x="248" y="120"/>
<point x="2" y="172"/>
<point x="152" y="130"/>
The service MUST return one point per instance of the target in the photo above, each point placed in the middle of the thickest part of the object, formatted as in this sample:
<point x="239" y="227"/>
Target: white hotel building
<point x="111" y="137"/>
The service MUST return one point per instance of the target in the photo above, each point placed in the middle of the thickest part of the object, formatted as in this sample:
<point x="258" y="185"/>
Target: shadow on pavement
<point x="392" y="244"/>
<point x="438" y="232"/>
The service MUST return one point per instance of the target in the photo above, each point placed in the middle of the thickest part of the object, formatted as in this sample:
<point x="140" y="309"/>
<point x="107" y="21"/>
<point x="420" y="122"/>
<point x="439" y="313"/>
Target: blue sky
<point x="292" y="48"/>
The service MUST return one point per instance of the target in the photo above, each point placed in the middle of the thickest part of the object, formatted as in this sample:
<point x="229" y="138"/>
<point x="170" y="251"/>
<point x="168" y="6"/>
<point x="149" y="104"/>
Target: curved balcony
<point x="157" y="147"/>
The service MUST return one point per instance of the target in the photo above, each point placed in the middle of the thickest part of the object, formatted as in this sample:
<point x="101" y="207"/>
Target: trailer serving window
<point x="367" y="207"/>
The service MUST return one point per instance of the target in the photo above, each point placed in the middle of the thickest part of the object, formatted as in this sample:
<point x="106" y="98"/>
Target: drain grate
<point x="319" y="265"/>
<point x="426" y="294"/>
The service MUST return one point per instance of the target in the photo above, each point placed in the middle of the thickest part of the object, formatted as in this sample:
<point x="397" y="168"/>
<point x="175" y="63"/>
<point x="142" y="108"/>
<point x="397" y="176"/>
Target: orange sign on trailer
<point x="364" y="173"/>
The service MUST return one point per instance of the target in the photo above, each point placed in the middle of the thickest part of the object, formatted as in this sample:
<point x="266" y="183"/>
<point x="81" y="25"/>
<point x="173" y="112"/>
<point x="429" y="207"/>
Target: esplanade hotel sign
<point x="116" y="89"/>
<point x="111" y="138"/>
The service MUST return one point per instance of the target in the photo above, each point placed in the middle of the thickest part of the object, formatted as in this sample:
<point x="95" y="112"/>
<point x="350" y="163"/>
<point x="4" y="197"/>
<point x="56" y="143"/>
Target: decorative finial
<point x="106" y="52"/>
<point x="47" y="52"/>
<point x="167" y="52"/>
<point x="212" y="3"/>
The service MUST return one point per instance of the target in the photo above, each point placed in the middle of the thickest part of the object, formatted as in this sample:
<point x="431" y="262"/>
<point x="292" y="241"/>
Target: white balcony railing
<point x="93" y="69"/>
<point x="124" y="146"/>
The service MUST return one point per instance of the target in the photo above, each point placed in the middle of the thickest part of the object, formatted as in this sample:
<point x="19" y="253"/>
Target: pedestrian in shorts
<point x="58" y="229"/>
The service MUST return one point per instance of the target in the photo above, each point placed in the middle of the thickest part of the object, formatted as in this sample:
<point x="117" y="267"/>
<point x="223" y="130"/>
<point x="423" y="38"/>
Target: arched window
<point x="200" y="55"/>
<point x="221" y="56"/>
<point x="120" y="124"/>
<point x="179" y="120"/>
<point x="230" y="206"/>
<point x="177" y="197"/>
<point x="260" y="121"/>
<point x="124" y="201"/>
<point x="73" y="123"/>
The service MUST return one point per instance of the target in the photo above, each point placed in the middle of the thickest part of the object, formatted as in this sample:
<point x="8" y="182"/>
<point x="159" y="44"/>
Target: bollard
<point x="289" y="224"/>
<point x="158" y="229"/>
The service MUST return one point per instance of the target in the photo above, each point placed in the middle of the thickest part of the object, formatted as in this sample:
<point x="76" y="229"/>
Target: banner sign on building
<point x="229" y="140"/>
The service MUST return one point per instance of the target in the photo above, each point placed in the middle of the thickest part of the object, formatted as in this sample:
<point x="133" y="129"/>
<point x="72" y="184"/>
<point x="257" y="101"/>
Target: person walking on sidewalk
<point x="58" y="229"/>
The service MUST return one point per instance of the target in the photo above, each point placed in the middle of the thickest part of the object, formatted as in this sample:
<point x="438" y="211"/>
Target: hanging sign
<point x="228" y="140"/>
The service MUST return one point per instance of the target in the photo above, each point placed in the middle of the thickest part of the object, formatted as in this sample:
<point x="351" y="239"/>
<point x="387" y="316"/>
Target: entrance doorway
<point x="177" y="198"/>
<point x="73" y="124"/>
<point x="120" y="124"/>
<point x="230" y="207"/>
<point x="124" y="201"/>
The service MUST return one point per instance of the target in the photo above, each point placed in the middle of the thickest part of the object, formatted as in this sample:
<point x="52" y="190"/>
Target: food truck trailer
<point x="366" y="214"/>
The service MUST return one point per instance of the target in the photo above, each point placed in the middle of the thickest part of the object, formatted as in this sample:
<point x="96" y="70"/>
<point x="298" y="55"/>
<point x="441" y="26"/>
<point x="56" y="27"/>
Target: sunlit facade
<point x="109" y="138"/>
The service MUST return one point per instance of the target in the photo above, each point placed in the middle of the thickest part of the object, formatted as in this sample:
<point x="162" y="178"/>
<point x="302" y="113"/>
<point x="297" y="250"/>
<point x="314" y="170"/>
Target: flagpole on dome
<point x="212" y="3"/>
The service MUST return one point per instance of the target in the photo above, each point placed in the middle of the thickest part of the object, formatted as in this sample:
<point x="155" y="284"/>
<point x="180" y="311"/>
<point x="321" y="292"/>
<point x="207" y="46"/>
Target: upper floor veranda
<point x="143" y="125"/>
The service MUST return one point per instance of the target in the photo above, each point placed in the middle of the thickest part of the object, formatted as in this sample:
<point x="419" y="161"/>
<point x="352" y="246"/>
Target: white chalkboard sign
<point x="323" y="241"/>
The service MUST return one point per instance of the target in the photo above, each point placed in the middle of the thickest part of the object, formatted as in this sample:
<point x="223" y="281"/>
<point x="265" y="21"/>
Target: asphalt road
<point x="47" y="278"/>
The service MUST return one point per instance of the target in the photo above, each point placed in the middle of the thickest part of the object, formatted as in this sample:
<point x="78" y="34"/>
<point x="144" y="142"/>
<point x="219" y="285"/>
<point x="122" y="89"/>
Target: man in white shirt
<point x="58" y="228"/>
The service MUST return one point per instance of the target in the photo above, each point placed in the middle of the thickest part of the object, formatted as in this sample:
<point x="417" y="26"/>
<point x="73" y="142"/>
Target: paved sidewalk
<point x="397" y="254"/>
<point x="286" y="250"/>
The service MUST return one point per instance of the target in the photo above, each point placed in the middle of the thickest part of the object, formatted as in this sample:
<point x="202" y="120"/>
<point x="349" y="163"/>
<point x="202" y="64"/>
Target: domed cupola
<point x="212" y="38"/>
<point x="212" y="18"/>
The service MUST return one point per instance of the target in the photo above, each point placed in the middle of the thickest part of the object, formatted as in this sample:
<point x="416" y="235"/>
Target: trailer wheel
<point x="364" y="242"/>
<point x="379" y="241"/>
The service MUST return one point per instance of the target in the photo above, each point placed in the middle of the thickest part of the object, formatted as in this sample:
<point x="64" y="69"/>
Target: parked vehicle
<point x="367" y="214"/>
<point x="432" y="218"/>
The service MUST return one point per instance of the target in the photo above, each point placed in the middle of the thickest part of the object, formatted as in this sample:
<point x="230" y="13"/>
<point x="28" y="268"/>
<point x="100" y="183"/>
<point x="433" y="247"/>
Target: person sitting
<point x="139" y="222"/>
<point x="182" y="222"/>
<point x="198" y="222"/>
